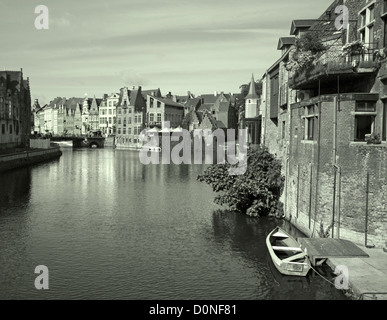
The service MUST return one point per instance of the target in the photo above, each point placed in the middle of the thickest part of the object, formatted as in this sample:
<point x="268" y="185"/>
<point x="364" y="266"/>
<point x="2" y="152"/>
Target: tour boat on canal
<point x="286" y="254"/>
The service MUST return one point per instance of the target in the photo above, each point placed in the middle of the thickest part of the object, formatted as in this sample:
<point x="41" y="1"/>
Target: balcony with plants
<point x="312" y="61"/>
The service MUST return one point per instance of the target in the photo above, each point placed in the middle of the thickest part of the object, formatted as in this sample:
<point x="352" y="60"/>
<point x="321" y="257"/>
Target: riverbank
<point x="28" y="157"/>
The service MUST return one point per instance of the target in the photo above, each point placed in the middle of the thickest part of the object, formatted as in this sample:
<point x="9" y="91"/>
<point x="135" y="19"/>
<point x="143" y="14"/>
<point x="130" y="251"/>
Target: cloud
<point x="131" y="77"/>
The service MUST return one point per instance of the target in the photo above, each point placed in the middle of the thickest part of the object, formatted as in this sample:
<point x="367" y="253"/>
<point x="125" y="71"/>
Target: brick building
<point x="330" y="131"/>
<point x="15" y="110"/>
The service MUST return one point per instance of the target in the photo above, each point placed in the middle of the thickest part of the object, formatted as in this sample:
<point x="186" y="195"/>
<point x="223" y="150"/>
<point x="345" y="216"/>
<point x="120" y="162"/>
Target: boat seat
<point x="276" y="248"/>
<point x="280" y="235"/>
<point x="296" y="257"/>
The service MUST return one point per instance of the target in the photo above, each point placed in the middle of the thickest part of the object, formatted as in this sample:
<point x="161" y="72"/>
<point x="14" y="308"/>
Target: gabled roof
<point x="151" y="92"/>
<point x="324" y="26"/>
<point x="73" y="103"/>
<point x="285" y="41"/>
<point x="303" y="24"/>
<point x="193" y="103"/>
<point x="169" y="102"/>
<point x="209" y="98"/>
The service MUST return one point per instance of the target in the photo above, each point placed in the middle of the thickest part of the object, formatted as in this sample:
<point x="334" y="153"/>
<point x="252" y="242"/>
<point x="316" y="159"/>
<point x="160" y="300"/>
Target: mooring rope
<point x="322" y="276"/>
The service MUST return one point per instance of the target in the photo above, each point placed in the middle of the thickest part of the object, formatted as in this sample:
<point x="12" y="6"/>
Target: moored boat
<point x="286" y="253"/>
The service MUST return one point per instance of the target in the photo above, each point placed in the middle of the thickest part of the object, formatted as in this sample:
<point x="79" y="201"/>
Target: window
<point x="110" y="120"/>
<point x="366" y="26"/>
<point x="365" y="113"/>
<point x="119" y="130"/>
<point x="363" y="125"/>
<point x="124" y="122"/>
<point x="371" y="15"/>
<point x="124" y="111"/>
<point x="119" y="120"/>
<point x="151" y="103"/>
<point x="3" y="128"/>
<point x="110" y="111"/>
<point x="159" y="117"/>
<point x="158" y="104"/>
<point x="10" y="128"/>
<point x="151" y="117"/>
<point x="130" y="131"/>
<point x="365" y="106"/>
<point x="124" y="131"/>
<point x="119" y="110"/>
<point x="283" y="129"/>
<point x="310" y="121"/>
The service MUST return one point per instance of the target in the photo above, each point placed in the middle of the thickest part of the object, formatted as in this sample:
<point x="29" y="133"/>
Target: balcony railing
<point x="334" y="62"/>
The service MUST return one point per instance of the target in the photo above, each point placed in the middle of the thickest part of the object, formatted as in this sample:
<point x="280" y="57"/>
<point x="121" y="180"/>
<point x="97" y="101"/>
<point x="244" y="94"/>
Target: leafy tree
<point x="255" y="193"/>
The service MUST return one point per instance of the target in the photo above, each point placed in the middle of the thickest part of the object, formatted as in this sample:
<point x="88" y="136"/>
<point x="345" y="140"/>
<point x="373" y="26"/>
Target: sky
<point x="96" y="47"/>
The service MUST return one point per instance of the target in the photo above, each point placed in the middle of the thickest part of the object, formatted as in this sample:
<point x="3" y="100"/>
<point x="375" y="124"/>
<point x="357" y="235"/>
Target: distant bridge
<point x="82" y="142"/>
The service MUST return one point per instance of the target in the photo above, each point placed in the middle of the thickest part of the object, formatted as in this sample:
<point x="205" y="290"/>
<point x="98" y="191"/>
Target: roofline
<point x="278" y="61"/>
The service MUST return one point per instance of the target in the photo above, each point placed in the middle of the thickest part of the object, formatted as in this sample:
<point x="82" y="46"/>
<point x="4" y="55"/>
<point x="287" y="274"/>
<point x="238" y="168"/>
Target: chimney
<point x="216" y="93"/>
<point x="189" y="93"/>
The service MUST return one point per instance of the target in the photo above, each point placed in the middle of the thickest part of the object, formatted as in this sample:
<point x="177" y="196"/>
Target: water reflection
<point x="15" y="187"/>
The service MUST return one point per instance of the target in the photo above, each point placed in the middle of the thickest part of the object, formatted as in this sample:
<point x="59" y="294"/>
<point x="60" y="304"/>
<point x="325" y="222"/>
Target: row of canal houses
<point x="126" y="113"/>
<point x="323" y="113"/>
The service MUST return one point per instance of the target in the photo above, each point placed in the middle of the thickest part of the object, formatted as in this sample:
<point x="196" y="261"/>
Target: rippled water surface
<point x="108" y="227"/>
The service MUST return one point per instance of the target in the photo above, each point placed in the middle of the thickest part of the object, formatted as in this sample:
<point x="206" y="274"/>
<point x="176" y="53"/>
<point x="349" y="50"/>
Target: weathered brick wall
<point x="311" y="183"/>
<point x="354" y="7"/>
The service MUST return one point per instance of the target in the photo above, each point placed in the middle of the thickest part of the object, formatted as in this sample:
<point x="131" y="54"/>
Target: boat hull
<point x="295" y="262"/>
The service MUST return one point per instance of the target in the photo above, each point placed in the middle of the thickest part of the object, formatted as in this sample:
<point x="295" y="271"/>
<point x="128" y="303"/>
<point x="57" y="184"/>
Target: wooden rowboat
<point x="286" y="253"/>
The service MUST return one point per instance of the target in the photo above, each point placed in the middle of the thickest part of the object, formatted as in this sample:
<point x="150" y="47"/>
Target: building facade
<point x="108" y="114"/>
<point x="131" y="110"/>
<point x="329" y="128"/>
<point x="15" y="110"/>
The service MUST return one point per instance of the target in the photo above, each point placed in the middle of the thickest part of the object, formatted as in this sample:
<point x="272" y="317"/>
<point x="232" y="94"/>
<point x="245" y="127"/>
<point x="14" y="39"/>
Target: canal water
<point x="108" y="227"/>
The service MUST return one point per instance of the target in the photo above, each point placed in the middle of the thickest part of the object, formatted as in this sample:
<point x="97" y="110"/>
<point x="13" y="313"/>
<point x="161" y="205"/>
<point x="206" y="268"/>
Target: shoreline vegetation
<point x="256" y="193"/>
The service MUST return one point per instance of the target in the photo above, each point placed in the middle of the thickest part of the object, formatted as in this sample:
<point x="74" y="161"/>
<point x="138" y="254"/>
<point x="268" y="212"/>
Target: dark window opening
<point x="310" y="130"/>
<point x="363" y="126"/>
<point x="3" y="128"/>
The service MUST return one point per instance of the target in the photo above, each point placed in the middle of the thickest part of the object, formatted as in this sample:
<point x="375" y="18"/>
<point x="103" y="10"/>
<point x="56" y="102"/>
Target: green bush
<point x="255" y="193"/>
